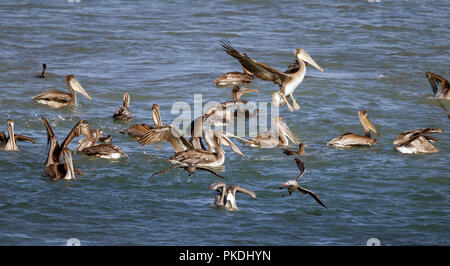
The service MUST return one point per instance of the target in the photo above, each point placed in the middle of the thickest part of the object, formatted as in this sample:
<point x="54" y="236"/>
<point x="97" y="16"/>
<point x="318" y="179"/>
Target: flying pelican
<point x="234" y="78"/>
<point x="300" y="152"/>
<point x="270" y="139"/>
<point x="42" y="75"/>
<point x="57" y="99"/>
<point x="124" y="113"/>
<point x="444" y="91"/>
<point x="9" y="143"/>
<point x="293" y="185"/>
<point x="287" y="82"/>
<point x="226" y="196"/>
<point x="350" y="139"/>
<point x="417" y="141"/>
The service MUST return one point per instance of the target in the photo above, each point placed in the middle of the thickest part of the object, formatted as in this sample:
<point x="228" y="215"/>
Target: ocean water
<point x="375" y="55"/>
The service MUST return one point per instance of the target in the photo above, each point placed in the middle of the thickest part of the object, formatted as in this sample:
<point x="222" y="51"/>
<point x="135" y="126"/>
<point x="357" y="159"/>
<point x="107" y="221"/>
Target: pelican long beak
<point x="284" y="129"/>
<point x="76" y="86"/>
<point x="304" y="56"/>
<point x="156" y="115"/>
<point x="366" y="123"/>
<point x="12" y="138"/>
<point x="67" y="153"/>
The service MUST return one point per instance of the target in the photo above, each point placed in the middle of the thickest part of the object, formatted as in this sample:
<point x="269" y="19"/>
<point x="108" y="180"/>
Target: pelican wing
<point x="193" y="157"/>
<point x="54" y="96"/>
<point x="23" y="138"/>
<point x="169" y="134"/>
<point x="305" y="191"/>
<point x="137" y="130"/>
<point x="237" y="188"/>
<point x="301" y="167"/>
<point x="258" y="69"/>
<point x="208" y="170"/>
<point x="217" y="185"/>
<point x="436" y="80"/>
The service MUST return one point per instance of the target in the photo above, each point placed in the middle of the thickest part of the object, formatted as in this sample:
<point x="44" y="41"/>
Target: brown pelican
<point x="442" y="92"/>
<point x="104" y="150"/>
<point x="57" y="99"/>
<point x="140" y="130"/>
<point x="226" y="196"/>
<point x="270" y="139"/>
<point x="61" y="170"/>
<point x="55" y="154"/>
<point x="42" y="75"/>
<point x="300" y="152"/>
<point x="350" y="139"/>
<point x="222" y="113"/>
<point x="124" y="113"/>
<point x="167" y="133"/>
<point x="417" y="141"/>
<point x="288" y="82"/>
<point x="234" y="78"/>
<point x="202" y="159"/>
<point x="9" y="143"/>
<point x="293" y="185"/>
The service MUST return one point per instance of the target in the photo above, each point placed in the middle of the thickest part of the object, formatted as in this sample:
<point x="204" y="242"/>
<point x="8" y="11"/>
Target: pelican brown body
<point x="417" y="141"/>
<point x="9" y="143"/>
<point x="270" y="139"/>
<point x="57" y="99"/>
<point x="103" y="150"/>
<point x="287" y="82"/>
<point x="124" y="113"/>
<point x="292" y="185"/>
<point x="226" y="196"/>
<point x="350" y="139"/>
<point x="444" y="91"/>
<point x="56" y="151"/>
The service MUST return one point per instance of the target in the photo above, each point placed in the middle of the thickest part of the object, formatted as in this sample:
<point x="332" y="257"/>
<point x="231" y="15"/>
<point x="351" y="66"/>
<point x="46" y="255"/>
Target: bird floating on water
<point x="300" y="152"/>
<point x="57" y="99"/>
<point x="226" y="196"/>
<point x="9" y="143"/>
<point x="350" y="139"/>
<point x="417" y="141"/>
<point x="123" y="112"/>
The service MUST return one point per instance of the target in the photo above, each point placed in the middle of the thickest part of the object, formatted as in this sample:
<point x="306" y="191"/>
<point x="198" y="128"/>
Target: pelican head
<point x="366" y="123"/>
<point x="238" y="91"/>
<point x="76" y="86"/>
<point x="224" y="139"/>
<point x="156" y="115"/>
<point x="302" y="55"/>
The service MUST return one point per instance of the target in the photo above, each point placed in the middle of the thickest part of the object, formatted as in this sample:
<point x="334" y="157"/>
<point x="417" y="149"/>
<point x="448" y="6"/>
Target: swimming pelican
<point x="234" y="78"/>
<point x="270" y="139"/>
<point x="226" y="196"/>
<point x="350" y="139"/>
<point x="9" y="143"/>
<point x="140" y="130"/>
<point x="124" y="113"/>
<point x="61" y="170"/>
<point x="287" y="82"/>
<point x="222" y="113"/>
<point x="42" y="75"/>
<point x="57" y="99"/>
<point x="55" y="154"/>
<point x="300" y="152"/>
<point x="417" y="141"/>
<point x="444" y="91"/>
<point x="167" y="133"/>
<point x="203" y="159"/>
<point x="103" y="150"/>
<point x="292" y="185"/>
